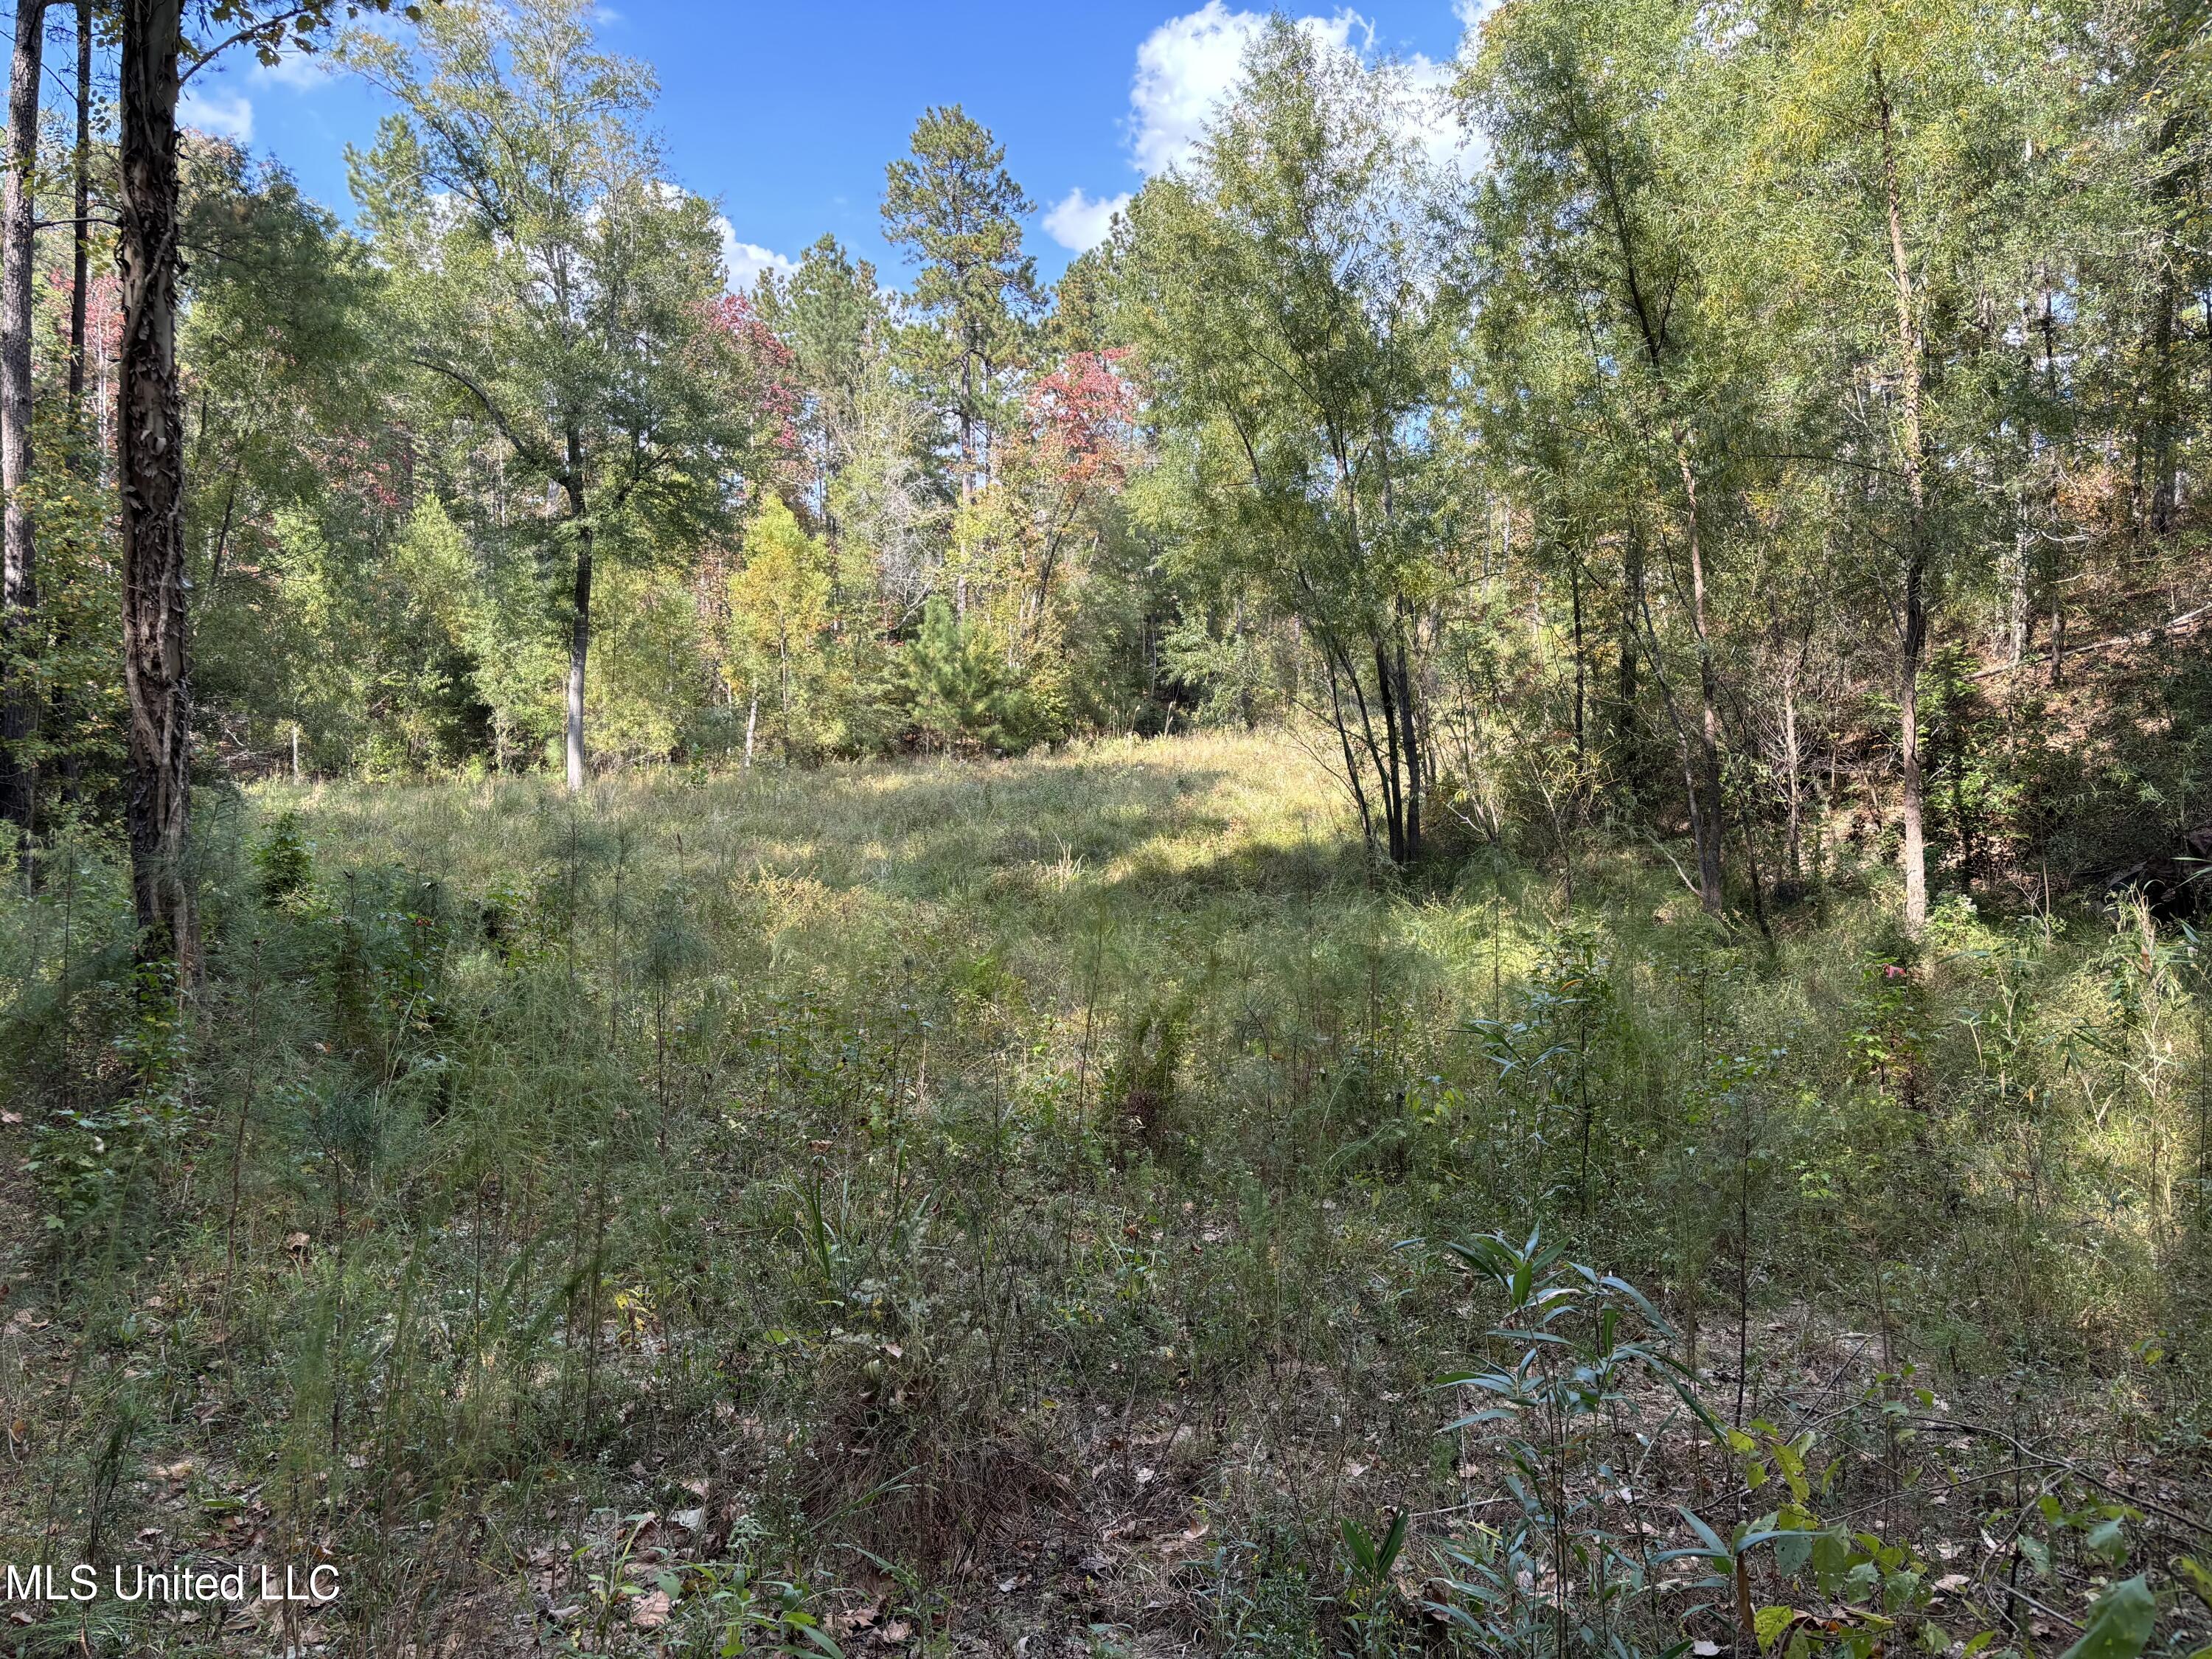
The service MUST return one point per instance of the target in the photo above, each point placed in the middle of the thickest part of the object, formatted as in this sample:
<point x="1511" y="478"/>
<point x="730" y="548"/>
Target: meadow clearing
<point x="944" y="1203"/>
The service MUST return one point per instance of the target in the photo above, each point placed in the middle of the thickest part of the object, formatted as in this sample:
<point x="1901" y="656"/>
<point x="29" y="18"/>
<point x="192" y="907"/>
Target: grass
<point x="939" y="1204"/>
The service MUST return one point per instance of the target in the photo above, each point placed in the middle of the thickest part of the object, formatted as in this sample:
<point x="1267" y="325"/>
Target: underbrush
<point x="929" y="1206"/>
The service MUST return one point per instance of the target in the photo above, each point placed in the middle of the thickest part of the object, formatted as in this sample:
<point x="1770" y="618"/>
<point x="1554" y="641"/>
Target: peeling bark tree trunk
<point x="19" y="693"/>
<point x="150" y="463"/>
<point x="1912" y="621"/>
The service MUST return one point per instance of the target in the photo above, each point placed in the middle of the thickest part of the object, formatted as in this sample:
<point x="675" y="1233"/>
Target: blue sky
<point x="787" y="114"/>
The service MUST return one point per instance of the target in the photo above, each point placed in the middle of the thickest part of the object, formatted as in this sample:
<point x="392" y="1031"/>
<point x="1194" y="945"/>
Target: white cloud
<point x="300" y="71"/>
<point x="743" y="262"/>
<point x="1188" y="67"/>
<point x="212" y="113"/>
<point x="1080" y="221"/>
<point x="1184" y="68"/>
<point x="1189" y="64"/>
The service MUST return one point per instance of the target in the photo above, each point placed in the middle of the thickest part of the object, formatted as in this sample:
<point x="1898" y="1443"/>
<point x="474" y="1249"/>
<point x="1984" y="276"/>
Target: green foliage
<point x="285" y="861"/>
<point x="750" y="1212"/>
<point x="883" y="1123"/>
<point x="960" y="695"/>
<point x="1555" y="1398"/>
<point x="953" y="203"/>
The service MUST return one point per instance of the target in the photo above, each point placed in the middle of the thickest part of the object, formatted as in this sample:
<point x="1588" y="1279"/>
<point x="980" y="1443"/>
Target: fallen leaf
<point x="651" y="1612"/>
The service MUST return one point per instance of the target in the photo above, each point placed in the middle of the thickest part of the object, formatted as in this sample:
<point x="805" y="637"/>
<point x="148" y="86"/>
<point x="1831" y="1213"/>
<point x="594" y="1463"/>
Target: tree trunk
<point x="2019" y="615"/>
<point x="80" y="237"/>
<point x="18" y="591"/>
<point x="150" y="464"/>
<point x="1793" y="759"/>
<point x="1631" y="603"/>
<point x="1410" y="738"/>
<point x="1711" y="821"/>
<point x="1581" y="739"/>
<point x="1913" y="619"/>
<point x="1390" y="775"/>
<point x="2163" y="444"/>
<point x="580" y="626"/>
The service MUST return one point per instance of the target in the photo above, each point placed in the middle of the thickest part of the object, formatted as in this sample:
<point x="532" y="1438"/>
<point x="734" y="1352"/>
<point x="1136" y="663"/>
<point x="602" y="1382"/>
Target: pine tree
<point x="958" y="211"/>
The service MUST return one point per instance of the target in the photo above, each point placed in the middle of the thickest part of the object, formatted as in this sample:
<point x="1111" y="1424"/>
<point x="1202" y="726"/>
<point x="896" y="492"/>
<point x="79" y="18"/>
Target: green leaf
<point x="1713" y="1547"/>
<point x="1363" y="1550"/>
<point x="2199" y="1580"/>
<point x="2037" y="1555"/>
<point x="1392" y="1541"/>
<point x="1768" y="1624"/>
<point x="2119" y="1625"/>
<point x="2106" y="1542"/>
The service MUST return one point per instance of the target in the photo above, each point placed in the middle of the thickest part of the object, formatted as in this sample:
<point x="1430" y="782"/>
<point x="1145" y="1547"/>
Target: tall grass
<point x="902" y="1181"/>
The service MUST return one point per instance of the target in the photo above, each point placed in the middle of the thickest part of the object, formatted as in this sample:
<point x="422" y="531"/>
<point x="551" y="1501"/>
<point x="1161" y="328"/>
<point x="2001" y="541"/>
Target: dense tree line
<point x="1778" y="425"/>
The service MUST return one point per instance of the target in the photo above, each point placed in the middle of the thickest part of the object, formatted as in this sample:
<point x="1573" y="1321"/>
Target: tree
<point x="288" y="425"/>
<point x="833" y="322"/>
<point x="1065" y="457"/>
<point x="1291" y="326"/>
<point x="779" y="603"/>
<point x="553" y="282"/>
<point x="1590" y="223"/>
<point x="80" y="210"/>
<point x="19" y="693"/>
<point x="959" y="694"/>
<point x="955" y="207"/>
<point x="1908" y="130"/>
<point x="150" y="462"/>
